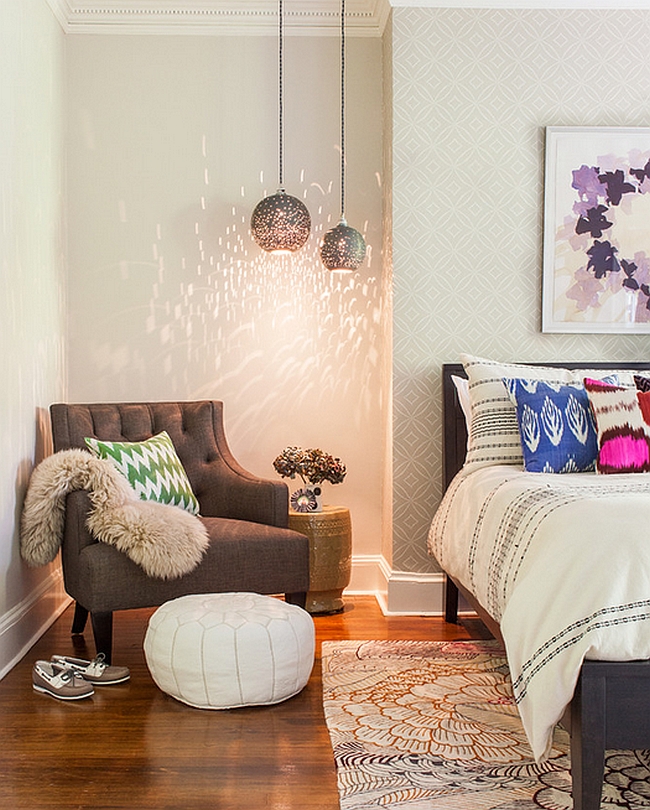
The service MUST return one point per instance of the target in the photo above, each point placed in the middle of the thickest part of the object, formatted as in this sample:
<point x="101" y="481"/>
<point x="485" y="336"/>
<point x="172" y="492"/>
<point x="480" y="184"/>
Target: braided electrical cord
<point x="280" y="96"/>
<point x="343" y="248"/>
<point x="342" y="109"/>
<point x="280" y="223"/>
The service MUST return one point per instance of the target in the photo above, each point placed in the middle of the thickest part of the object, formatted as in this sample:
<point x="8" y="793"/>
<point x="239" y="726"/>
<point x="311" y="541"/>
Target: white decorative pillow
<point x="152" y="467"/>
<point x="494" y="435"/>
<point x="461" y="384"/>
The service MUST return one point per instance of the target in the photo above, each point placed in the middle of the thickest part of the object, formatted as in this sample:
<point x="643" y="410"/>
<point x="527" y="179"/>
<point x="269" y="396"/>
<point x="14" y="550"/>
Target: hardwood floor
<point x="131" y="746"/>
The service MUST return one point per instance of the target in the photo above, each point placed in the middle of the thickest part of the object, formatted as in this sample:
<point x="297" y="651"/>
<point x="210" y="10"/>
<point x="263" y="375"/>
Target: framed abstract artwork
<point x="596" y="273"/>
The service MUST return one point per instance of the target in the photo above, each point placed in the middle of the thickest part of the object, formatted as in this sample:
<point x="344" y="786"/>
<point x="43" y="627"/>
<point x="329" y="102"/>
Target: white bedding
<point x="562" y="562"/>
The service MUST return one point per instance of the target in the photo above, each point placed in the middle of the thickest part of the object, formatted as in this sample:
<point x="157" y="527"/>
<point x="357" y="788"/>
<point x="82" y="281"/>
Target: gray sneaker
<point x="96" y="671"/>
<point x="52" y="679"/>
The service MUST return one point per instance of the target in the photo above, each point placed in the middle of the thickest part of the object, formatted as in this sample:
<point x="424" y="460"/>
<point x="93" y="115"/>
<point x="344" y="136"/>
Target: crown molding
<point x="260" y="17"/>
<point x="59" y="11"/>
<point x="222" y="17"/>
<point x="523" y="5"/>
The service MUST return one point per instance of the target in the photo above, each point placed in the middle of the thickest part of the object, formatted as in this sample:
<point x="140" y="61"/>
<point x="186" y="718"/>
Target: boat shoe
<point x="60" y="682"/>
<point x="96" y="671"/>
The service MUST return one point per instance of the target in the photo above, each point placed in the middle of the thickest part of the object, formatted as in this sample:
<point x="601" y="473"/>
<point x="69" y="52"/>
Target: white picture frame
<point x="596" y="256"/>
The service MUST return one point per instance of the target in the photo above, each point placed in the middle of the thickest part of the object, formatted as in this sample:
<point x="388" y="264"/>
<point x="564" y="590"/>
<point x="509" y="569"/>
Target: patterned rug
<point x="433" y="726"/>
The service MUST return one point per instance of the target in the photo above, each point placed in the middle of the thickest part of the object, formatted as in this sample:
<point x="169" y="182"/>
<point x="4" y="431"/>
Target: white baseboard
<point x="399" y="593"/>
<point x="24" y="624"/>
<point x="415" y="594"/>
<point x="370" y="575"/>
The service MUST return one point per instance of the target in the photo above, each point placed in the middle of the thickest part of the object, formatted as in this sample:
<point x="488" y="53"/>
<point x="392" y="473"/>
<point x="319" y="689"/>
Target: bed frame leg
<point x="588" y="741"/>
<point x="451" y="602"/>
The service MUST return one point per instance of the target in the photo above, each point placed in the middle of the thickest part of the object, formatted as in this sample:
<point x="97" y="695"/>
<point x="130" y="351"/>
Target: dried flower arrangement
<point x="312" y="465"/>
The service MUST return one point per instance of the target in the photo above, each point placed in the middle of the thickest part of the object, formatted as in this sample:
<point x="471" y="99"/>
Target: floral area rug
<point x="433" y="726"/>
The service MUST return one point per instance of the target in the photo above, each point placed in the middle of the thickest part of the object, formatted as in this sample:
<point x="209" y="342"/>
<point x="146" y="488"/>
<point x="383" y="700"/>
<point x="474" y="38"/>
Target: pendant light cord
<point x="280" y="102"/>
<point x="342" y="109"/>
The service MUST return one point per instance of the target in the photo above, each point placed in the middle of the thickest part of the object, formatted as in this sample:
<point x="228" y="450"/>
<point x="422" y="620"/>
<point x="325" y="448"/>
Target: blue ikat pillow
<point x="558" y="433"/>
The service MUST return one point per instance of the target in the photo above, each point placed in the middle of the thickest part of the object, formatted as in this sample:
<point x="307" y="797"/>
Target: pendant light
<point x="343" y="247"/>
<point x="280" y="223"/>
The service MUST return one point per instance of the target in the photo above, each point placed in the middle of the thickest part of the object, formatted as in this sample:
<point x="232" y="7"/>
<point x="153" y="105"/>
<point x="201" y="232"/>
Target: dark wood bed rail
<point x="611" y="704"/>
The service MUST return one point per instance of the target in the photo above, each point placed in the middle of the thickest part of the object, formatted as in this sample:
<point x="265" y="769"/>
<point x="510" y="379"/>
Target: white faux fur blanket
<point x="166" y="541"/>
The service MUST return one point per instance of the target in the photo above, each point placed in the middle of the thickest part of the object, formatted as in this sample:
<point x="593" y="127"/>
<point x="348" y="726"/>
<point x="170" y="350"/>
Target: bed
<point x="573" y="612"/>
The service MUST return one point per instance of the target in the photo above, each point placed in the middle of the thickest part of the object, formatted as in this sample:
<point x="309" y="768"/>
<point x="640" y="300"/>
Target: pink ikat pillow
<point x="623" y="432"/>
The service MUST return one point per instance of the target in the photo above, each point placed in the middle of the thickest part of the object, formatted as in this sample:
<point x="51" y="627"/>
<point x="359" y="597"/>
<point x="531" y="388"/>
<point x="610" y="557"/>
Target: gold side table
<point x="330" y="555"/>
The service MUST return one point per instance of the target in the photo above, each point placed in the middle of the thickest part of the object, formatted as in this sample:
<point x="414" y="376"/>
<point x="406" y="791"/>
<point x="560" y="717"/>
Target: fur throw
<point x="166" y="541"/>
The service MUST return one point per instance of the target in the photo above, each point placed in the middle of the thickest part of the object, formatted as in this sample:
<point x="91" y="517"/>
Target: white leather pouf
<point x="223" y="650"/>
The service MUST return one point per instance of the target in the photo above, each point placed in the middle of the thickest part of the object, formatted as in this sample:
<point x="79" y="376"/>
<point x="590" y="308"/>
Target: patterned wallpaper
<point x="473" y="91"/>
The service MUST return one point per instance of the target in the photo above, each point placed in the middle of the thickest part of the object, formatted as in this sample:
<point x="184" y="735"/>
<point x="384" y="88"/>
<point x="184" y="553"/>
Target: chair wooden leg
<point x="79" y="620"/>
<point x="103" y="633"/>
<point x="588" y="742"/>
<point x="299" y="599"/>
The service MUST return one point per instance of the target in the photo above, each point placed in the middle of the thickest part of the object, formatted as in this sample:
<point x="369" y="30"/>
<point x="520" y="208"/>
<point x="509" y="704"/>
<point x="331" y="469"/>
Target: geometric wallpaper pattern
<point x="473" y="90"/>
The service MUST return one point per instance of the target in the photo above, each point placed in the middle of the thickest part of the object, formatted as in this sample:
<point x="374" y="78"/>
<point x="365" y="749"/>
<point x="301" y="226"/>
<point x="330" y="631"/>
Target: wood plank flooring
<point x="131" y="746"/>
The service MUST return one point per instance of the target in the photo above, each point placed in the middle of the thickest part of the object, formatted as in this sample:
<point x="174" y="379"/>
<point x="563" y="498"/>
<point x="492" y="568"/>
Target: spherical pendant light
<point x="343" y="247"/>
<point x="280" y="223"/>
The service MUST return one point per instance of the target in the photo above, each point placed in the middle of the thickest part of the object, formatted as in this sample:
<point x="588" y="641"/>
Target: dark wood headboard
<point x="455" y="432"/>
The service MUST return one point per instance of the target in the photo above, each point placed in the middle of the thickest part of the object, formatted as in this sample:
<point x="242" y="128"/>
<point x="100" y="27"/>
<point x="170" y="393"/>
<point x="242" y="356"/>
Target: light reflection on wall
<point x="276" y="337"/>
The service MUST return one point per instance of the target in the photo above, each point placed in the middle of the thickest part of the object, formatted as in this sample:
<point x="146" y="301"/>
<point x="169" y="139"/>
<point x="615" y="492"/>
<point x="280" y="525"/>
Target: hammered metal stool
<point x="330" y="555"/>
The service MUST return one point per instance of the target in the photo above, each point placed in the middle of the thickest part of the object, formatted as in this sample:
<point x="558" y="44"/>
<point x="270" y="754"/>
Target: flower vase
<point x="307" y="499"/>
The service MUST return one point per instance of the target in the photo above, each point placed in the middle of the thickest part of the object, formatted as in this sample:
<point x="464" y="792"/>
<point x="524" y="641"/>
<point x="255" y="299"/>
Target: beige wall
<point x="473" y="91"/>
<point x="31" y="290"/>
<point x="387" y="296"/>
<point x="171" y="143"/>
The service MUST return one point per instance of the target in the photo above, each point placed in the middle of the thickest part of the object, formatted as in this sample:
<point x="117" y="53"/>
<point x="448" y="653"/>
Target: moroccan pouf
<point x="224" y="650"/>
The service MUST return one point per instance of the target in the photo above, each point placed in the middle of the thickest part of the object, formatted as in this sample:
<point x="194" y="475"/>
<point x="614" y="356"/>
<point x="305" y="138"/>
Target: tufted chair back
<point x="197" y="432"/>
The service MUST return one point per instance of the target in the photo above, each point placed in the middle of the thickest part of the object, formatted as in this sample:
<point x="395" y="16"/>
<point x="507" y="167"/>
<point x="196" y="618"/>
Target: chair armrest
<point x="236" y="494"/>
<point x="241" y="495"/>
<point x="75" y="534"/>
<point x="75" y="538"/>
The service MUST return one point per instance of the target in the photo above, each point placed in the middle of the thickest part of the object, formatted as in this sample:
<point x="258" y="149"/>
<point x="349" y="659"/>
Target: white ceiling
<point x="260" y="17"/>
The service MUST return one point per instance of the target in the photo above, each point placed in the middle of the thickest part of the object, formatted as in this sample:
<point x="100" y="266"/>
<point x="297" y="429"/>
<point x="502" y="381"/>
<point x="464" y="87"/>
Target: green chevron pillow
<point x="152" y="467"/>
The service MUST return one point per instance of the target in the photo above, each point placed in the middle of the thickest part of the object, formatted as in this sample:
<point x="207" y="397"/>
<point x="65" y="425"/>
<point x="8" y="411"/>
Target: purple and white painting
<point x="597" y="230"/>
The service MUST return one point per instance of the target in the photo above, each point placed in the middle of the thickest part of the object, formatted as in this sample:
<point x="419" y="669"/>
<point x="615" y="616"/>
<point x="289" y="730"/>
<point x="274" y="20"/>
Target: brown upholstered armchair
<point x="251" y="548"/>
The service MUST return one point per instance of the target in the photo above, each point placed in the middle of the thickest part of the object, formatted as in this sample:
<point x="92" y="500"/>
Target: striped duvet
<point x="562" y="562"/>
